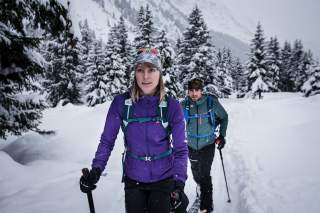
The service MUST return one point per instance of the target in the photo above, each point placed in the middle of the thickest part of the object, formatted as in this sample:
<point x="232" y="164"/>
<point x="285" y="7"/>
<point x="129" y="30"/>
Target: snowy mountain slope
<point x="217" y="16"/>
<point x="98" y="18"/>
<point x="168" y="14"/>
<point x="271" y="160"/>
<point x="238" y="48"/>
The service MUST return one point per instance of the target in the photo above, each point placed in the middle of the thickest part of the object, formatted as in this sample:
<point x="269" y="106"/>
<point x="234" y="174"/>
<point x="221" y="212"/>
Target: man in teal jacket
<point x="204" y="117"/>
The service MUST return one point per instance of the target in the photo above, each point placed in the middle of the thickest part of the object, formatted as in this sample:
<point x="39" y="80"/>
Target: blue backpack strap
<point x="150" y="158"/>
<point x="186" y="110"/>
<point x="211" y="110"/>
<point x="162" y="112"/>
<point x="212" y="131"/>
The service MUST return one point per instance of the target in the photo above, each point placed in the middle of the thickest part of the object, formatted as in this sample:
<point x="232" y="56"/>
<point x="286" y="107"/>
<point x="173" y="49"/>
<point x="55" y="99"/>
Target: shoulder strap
<point x="163" y="111"/>
<point x="186" y="109"/>
<point x="210" y="110"/>
<point x="163" y="114"/>
<point x="126" y="110"/>
<point x="209" y="102"/>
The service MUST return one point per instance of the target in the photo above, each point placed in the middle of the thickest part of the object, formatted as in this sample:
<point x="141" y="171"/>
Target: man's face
<point x="195" y="94"/>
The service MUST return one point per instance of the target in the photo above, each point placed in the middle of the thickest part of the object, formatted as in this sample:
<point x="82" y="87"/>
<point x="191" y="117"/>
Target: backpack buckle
<point x="147" y="158"/>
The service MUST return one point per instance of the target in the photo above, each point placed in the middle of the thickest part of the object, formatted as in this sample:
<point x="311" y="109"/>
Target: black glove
<point x="179" y="199"/>
<point x="89" y="179"/>
<point x="220" y="141"/>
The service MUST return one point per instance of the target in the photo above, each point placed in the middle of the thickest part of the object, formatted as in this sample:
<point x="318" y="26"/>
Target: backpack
<point x="210" y="115"/>
<point x="162" y="117"/>
<point x="162" y="112"/>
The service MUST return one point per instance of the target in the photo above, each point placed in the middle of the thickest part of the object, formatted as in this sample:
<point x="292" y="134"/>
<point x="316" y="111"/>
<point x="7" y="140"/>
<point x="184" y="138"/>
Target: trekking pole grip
<point x="86" y="173"/>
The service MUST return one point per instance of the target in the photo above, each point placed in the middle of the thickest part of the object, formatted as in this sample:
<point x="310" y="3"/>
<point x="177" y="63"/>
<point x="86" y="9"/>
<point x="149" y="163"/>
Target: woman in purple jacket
<point x="155" y="162"/>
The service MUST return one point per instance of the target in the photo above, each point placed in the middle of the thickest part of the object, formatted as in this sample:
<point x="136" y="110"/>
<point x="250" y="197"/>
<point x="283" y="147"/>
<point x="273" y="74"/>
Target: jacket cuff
<point x="179" y="185"/>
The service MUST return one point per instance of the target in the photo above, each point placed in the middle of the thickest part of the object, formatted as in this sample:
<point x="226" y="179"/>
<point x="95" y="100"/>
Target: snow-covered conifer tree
<point x="312" y="85"/>
<point x="144" y="31"/>
<point x="20" y="61"/>
<point x="297" y="65"/>
<point x="115" y="68"/>
<point x="87" y="36"/>
<point x="126" y="50"/>
<point x="196" y="55"/>
<point x="257" y="65"/>
<point x="96" y="77"/>
<point x="63" y="83"/>
<point x="273" y="64"/>
<point x="239" y="79"/>
<point x="170" y="77"/>
<point x="286" y="83"/>
<point x="223" y="70"/>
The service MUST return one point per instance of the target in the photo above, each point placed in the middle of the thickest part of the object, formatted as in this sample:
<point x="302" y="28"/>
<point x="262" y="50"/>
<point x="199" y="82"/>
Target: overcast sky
<point x="288" y="19"/>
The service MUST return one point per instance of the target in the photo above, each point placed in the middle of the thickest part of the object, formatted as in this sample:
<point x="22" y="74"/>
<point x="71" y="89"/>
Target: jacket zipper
<point x="148" y="150"/>
<point x="197" y="126"/>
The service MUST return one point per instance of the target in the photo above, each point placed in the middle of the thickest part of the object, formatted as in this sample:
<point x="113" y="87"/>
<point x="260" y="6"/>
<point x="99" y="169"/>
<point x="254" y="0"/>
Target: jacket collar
<point x="200" y="101"/>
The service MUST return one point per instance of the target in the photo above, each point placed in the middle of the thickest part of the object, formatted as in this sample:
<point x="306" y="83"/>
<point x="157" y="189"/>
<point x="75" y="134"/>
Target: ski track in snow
<point x="234" y="167"/>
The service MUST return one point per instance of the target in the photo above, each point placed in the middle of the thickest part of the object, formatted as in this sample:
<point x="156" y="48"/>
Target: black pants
<point x="201" y="162"/>
<point x="148" y="197"/>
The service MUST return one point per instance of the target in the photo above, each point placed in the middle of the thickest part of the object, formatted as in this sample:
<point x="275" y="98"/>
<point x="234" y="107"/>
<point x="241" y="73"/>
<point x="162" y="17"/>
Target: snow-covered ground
<point x="271" y="159"/>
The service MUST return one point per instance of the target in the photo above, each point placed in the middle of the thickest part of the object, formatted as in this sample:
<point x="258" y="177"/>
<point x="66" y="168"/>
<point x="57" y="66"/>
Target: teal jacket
<point x="203" y="126"/>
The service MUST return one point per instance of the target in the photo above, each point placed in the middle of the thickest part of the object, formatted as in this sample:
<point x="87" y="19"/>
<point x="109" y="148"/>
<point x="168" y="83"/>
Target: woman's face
<point x="147" y="77"/>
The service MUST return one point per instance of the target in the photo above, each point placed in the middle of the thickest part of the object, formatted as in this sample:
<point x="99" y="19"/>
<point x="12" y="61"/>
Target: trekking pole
<point x="85" y="172"/>
<point x="224" y="172"/>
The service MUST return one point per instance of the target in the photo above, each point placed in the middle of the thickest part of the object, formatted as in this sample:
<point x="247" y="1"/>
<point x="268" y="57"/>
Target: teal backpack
<point x="162" y="117"/>
<point x="209" y="115"/>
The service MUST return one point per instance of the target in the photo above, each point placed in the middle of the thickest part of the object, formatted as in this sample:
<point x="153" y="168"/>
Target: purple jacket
<point x="146" y="139"/>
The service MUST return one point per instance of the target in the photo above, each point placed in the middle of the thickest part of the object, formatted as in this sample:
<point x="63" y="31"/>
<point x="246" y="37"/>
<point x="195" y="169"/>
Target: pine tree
<point x="144" y="30"/>
<point x="297" y="66"/>
<point x="73" y="69"/>
<point x="126" y="50"/>
<point x="223" y="70"/>
<point x="257" y="65"/>
<point x="196" y="55"/>
<point x="238" y="77"/>
<point x="116" y="70"/>
<point x="20" y="64"/>
<point x="273" y="64"/>
<point x="172" y="85"/>
<point x="166" y="51"/>
<point x="241" y="82"/>
<point x="96" y="76"/>
<point x="306" y="63"/>
<point x="286" y="83"/>
<point x="148" y="29"/>
<point x="87" y="37"/>
<point x="138" y="39"/>
<point x="64" y="81"/>
<point x="312" y="85"/>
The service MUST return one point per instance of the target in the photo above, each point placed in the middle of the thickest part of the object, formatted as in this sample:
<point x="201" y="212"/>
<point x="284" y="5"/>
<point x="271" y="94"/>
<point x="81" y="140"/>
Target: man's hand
<point x="220" y="141"/>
